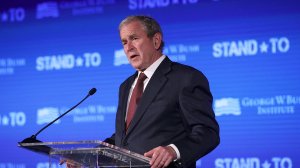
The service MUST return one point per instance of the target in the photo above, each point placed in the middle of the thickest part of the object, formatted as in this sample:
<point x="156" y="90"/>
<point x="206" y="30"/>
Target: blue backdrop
<point x="53" y="52"/>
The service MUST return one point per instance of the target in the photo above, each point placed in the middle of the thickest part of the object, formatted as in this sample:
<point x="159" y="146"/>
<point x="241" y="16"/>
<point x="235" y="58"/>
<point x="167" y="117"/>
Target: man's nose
<point x="129" y="46"/>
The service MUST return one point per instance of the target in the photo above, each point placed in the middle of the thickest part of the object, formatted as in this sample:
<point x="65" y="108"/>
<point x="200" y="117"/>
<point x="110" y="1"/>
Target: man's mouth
<point x="133" y="56"/>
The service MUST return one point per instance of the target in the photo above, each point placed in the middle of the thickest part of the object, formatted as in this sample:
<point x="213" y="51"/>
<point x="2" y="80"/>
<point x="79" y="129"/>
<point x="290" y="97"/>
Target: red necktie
<point x="135" y="98"/>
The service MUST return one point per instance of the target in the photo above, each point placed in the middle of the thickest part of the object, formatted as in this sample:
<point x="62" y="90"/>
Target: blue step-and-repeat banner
<point x="53" y="52"/>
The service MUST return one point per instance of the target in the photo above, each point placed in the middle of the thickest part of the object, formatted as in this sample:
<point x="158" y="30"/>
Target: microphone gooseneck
<point x="33" y="139"/>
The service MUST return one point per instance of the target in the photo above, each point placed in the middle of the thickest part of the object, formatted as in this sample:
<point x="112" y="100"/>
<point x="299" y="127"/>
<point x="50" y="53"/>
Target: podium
<point x="88" y="154"/>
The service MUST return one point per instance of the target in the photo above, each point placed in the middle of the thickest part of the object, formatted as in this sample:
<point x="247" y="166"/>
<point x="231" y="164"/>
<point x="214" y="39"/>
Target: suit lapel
<point x="124" y="98"/>
<point x="156" y="82"/>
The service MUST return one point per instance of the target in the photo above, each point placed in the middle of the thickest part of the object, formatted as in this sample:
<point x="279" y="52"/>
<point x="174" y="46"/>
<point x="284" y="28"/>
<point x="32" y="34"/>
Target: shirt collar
<point x="152" y="68"/>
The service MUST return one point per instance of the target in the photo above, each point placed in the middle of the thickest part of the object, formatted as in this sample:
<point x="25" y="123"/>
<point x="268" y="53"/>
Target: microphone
<point x="33" y="139"/>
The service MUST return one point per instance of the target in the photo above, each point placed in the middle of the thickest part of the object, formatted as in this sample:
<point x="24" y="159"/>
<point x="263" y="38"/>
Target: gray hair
<point x="151" y="26"/>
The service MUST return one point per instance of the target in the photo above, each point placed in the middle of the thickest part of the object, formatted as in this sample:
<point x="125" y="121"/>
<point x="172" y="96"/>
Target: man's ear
<point x="157" y="38"/>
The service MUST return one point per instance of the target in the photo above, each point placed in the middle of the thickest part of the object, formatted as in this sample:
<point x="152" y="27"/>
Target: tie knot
<point x="142" y="77"/>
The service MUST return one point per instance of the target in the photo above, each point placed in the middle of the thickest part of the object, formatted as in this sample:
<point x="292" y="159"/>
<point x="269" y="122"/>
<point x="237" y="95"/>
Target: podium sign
<point x="89" y="154"/>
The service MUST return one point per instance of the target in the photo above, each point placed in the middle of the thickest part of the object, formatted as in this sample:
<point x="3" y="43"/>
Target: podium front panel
<point x="90" y="154"/>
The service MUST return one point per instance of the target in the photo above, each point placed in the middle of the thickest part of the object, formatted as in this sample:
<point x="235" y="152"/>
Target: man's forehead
<point x="131" y="32"/>
<point x="128" y="34"/>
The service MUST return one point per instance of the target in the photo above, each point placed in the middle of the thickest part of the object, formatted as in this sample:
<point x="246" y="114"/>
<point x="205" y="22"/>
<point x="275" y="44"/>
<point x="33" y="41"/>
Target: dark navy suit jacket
<point x="176" y="108"/>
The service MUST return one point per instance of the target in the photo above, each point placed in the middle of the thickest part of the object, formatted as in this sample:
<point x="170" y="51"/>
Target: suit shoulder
<point x="186" y="70"/>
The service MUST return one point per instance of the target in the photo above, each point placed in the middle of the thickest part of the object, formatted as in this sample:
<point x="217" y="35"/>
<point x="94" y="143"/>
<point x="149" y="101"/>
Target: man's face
<point x="140" y="50"/>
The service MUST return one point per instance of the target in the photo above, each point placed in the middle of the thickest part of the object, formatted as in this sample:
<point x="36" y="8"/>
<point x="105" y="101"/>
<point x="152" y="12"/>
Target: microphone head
<point x="92" y="91"/>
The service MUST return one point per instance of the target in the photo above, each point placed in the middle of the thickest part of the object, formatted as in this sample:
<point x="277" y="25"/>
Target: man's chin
<point x="137" y="66"/>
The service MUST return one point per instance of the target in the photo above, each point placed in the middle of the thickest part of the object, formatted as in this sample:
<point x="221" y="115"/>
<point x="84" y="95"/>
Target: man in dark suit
<point x="173" y="119"/>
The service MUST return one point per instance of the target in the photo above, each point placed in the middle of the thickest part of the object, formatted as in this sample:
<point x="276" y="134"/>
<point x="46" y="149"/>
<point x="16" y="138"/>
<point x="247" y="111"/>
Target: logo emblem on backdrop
<point x="47" y="114"/>
<point x="227" y="106"/>
<point x="274" y="105"/>
<point x="120" y="58"/>
<point x="47" y="9"/>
